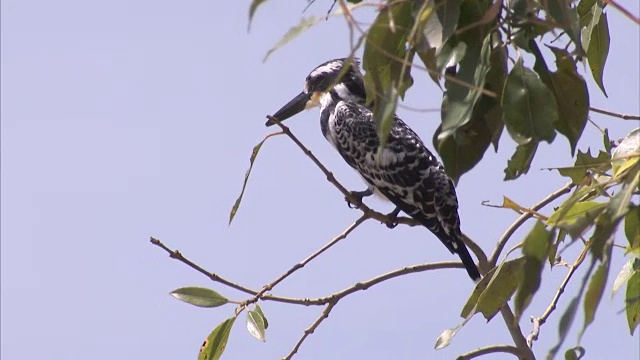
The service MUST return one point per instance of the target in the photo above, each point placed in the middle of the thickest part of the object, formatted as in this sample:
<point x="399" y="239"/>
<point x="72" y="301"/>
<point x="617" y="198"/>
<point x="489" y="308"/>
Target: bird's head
<point x="333" y="77"/>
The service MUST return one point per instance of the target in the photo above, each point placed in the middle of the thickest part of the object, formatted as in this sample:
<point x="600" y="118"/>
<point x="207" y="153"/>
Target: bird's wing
<point x="405" y="171"/>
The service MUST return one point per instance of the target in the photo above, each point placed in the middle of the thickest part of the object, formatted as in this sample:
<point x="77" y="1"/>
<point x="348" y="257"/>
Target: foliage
<point x="465" y="47"/>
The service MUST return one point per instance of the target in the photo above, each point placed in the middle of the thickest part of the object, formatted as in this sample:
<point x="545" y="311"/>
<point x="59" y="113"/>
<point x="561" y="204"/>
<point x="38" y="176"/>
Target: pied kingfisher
<point x="404" y="172"/>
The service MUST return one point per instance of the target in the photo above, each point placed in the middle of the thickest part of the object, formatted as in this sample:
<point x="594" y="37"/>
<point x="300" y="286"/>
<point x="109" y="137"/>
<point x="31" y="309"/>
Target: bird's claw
<point x="393" y="216"/>
<point x="391" y="225"/>
<point x="357" y="196"/>
<point x="357" y="200"/>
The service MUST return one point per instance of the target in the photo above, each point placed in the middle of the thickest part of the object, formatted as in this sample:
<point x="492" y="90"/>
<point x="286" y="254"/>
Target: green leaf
<point x="520" y="161"/>
<point x="566" y="18"/>
<point x="585" y="162"/>
<point x="627" y="153"/>
<point x="632" y="227"/>
<point x="593" y="295"/>
<point x="452" y="52"/>
<point x="428" y="58"/>
<point x="252" y="10"/>
<point x="584" y="11"/>
<point x="383" y="61"/>
<point x="572" y="95"/>
<point x="199" y="296"/>
<point x="566" y="320"/>
<point x="461" y="98"/>
<point x="606" y="141"/>
<point x="596" y="42"/>
<point x="385" y="115"/>
<point x="628" y="269"/>
<point x="494" y="290"/>
<point x="304" y="24"/>
<point x="633" y="302"/>
<point x="256" y="325"/>
<point x="384" y="47"/>
<point x="216" y="342"/>
<point x="534" y="250"/>
<point x="575" y="353"/>
<point x="576" y="218"/>
<point x="593" y="15"/>
<point x="529" y="107"/>
<point x="553" y="250"/>
<point x="620" y="203"/>
<point x="467" y="145"/>
<point x="259" y="311"/>
<point x="439" y="26"/>
<point x="254" y="154"/>
<point x="461" y="152"/>
<point x="602" y="237"/>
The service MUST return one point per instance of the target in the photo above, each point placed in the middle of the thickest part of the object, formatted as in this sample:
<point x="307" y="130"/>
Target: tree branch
<point x="175" y="254"/>
<point x="539" y="321"/>
<point x="332" y="300"/>
<point x="311" y="329"/>
<point x="626" y="12"/>
<point x="524" y="217"/>
<point x="621" y="116"/>
<point x="516" y="333"/>
<point x="490" y="350"/>
<point x="301" y="264"/>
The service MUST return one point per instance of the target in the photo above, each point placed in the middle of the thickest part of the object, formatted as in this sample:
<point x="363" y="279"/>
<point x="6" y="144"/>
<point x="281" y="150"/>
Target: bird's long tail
<point x="467" y="260"/>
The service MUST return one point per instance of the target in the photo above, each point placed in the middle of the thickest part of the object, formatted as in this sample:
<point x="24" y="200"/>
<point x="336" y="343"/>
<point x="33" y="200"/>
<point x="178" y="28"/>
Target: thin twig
<point x="524" y="217"/>
<point x="311" y="329"/>
<point x="609" y="113"/>
<point x="175" y="254"/>
<point x="360" y="286"/>
<point x="626" y="12"/>
<point x="516" y="333"/>
<point x="539" y="321"/>
<point x="490" y="350"/>
<point x="301" y="264"/>
<point x="333" y="300"/>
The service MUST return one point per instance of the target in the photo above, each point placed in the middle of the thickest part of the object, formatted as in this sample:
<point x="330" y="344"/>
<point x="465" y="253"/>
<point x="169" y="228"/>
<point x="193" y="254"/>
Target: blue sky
<point x="128" y="119"/>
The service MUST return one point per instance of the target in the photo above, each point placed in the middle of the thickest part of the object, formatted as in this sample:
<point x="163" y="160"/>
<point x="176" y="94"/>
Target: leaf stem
<point x="524" y="217"/>
<point x="539" y="321"/>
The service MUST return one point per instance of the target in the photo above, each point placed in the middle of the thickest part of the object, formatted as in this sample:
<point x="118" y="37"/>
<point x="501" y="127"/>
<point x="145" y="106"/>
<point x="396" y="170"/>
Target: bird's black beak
<point x="296" y="105"/>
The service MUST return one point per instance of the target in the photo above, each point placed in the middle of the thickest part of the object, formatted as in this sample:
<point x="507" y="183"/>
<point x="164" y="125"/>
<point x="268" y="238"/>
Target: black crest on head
<point x="330" y="73"/>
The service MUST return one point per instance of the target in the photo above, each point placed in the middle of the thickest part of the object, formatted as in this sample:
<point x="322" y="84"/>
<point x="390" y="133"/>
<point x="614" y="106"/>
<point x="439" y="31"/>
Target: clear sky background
<point x="127" y="119"/>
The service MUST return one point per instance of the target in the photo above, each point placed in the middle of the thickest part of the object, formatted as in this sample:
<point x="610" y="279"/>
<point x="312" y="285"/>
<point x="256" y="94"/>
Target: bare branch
<point x="626" y="12"/>
<point x="539" y="321"/>
<point x="524" y="217"/>
<point x="609" y="113"/>
<point x="175" y="254"/>
<point x="301" y="264"/>
<point x="516" y="333"/>
<point x="490" y="350"/>
<point x="332" y="300"/>
<point x="312" y="328"/>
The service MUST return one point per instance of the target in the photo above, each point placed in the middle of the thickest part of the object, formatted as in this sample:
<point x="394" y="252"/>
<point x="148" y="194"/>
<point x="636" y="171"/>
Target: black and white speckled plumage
<point x="405" y="172"/>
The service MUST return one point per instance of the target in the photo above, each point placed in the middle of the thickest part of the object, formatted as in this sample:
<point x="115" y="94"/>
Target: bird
<point x="403" y="172"/>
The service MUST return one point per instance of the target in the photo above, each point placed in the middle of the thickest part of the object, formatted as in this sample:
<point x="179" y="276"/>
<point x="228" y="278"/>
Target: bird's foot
<point x="357" y="196"/>
<point x="394" y="218"/>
